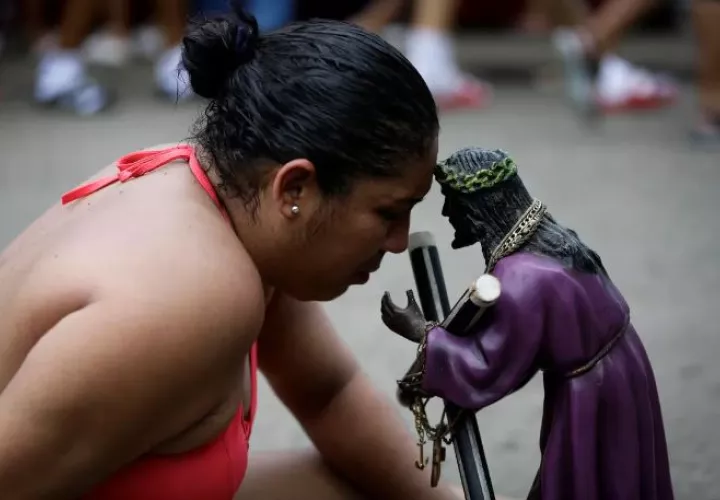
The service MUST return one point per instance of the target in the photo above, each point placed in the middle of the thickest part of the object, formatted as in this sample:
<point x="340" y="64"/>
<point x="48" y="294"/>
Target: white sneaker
<point x="107" y="49"/>
<point x="62" y="80"/>
<point x="623" y="86"/>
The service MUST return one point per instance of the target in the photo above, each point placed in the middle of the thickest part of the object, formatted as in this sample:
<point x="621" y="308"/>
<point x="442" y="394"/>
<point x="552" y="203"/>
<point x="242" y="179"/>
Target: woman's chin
<point x="326" y="294"/>
<point x="360" y="278"/>
<point x="329" y="291"/>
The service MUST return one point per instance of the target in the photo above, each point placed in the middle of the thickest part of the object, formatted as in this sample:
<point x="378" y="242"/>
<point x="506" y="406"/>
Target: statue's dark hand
<point x="407" y="322"/>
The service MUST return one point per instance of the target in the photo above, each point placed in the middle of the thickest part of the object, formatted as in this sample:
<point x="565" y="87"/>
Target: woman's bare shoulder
<point x="198" y="267"/>
<point x="173" y="255"/>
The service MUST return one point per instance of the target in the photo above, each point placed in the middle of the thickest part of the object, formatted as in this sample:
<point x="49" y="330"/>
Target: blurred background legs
<point x="37" y="30"/>
<point x="6" y="13"/>
<point x="430" y="47"/>
<point x="61" y="76"/>
<point x="115" y="32"/>
<point x="112" y="46"/>
<point x="428" y="43"/>
<point x="378" y="14"/>
<point x="596" y="78"/>
<point x="706" y="21"/>
<point x="156" y="39"/>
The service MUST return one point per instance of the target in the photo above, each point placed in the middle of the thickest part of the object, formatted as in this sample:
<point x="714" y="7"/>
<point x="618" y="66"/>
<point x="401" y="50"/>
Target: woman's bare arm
<point x="110" y="382"/>
<point x="356" y="429"/>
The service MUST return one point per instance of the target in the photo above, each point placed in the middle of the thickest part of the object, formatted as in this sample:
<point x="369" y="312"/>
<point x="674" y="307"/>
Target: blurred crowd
<point x="68" y="35"/>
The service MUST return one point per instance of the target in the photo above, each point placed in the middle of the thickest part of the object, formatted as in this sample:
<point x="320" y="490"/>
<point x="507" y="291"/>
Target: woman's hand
<point x="407" y="322"/>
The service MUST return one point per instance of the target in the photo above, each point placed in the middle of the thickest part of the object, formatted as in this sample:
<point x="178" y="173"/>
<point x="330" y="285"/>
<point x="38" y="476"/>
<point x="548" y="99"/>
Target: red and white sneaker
<point x="622" y="87"/>
<point x="470" y="93"/>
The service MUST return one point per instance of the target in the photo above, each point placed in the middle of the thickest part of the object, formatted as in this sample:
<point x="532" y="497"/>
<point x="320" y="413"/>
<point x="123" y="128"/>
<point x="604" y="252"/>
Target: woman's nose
<point x="398" y="236"/>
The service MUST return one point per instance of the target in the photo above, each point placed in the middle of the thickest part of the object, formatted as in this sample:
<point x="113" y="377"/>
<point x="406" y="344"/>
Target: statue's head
<point x="484" y="196"/>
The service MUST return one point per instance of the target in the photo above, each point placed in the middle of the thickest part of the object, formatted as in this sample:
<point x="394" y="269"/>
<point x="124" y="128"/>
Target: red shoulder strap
<point x="141" y="162"/>
<point x="248" y="424"/>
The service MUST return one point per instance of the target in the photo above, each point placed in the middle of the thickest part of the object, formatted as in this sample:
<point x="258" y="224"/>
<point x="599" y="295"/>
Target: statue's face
<point x="467" y="232"/>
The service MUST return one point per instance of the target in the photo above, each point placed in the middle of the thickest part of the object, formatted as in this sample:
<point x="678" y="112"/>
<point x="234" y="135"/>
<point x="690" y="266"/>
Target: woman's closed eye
<point x="392" y="215"/>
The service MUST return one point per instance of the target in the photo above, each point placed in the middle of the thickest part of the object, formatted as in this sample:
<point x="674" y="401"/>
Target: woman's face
<point x="333" y="243"/>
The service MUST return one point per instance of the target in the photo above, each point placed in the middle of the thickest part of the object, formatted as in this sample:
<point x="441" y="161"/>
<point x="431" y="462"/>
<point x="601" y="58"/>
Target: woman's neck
<point x="245" y="226"/>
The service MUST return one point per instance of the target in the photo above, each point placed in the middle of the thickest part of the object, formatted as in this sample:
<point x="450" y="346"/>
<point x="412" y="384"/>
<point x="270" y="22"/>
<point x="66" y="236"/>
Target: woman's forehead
<point x="409" y="187"/>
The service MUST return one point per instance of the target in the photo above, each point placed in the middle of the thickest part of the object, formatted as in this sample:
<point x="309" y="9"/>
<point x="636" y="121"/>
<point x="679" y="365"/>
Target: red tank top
<point x="214" y="471"/>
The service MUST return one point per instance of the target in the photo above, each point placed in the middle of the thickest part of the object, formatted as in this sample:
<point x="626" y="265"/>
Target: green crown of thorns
<point x="469" y="182"/>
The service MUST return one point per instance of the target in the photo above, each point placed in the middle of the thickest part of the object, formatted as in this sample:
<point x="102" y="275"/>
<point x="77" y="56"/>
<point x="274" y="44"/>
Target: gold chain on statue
<point x="518" y="235"/>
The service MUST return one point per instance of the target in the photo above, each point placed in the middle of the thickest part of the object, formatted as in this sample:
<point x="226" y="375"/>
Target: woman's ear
<point x="295" y="186"/>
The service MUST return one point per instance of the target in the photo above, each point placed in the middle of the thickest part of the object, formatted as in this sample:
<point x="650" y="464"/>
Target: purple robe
<point x="602" y="435"/>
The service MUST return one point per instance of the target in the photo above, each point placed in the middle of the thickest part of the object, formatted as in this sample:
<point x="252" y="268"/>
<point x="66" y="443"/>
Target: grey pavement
<point x="631" y="187"/>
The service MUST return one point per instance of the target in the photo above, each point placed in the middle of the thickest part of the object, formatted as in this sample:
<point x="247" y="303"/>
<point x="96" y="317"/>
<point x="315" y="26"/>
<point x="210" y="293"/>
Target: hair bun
<point x="213" y="49"/>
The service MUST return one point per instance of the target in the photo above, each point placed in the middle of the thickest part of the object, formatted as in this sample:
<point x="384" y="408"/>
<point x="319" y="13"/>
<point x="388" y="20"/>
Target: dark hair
<point x="487" y="215"/>
<point x="323" y="90"/>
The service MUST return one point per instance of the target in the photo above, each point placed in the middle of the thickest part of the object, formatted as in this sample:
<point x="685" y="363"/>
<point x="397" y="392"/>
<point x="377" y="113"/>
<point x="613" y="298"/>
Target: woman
<point x="135" y="314"/>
